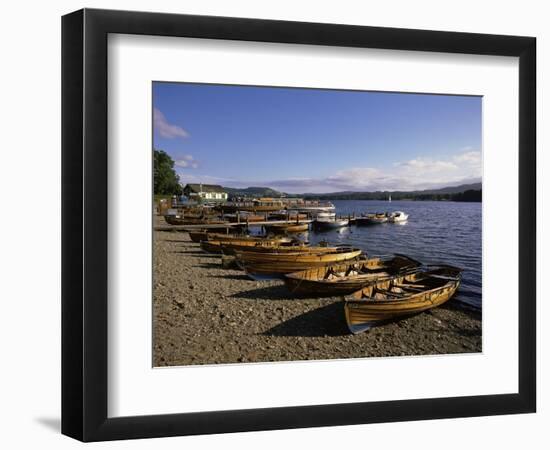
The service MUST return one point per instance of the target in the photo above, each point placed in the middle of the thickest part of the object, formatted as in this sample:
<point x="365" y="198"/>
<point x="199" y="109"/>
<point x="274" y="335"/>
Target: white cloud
<point x="469" y="157"/>
<point x="427" y="165"/>
<point x="187" y="161"/>
<point x="415" y="174"/>
<point x="166" y="129"/>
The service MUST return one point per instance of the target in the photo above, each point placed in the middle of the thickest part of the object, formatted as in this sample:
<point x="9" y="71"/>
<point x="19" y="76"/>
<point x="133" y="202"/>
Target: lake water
<point x="436" y="232"/>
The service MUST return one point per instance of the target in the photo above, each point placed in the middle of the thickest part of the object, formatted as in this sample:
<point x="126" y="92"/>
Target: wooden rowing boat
<point x="276" y="265"/>
<point x="266" y="245"/>
<point x="282" y="228"/>
<point x="400" y="296"/>
<point x="343" y="279"/>
<point x="182" y="220"/>
<point x="209" y="236"/>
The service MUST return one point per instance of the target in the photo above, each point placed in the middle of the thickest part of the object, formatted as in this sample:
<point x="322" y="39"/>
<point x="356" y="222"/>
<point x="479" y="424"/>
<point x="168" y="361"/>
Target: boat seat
<point x="330" y="272"/>
<point x="389" y="293"/>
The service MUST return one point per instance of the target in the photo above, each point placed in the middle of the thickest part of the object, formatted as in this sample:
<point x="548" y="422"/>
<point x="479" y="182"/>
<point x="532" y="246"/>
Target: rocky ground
<point x="204" y="314"/>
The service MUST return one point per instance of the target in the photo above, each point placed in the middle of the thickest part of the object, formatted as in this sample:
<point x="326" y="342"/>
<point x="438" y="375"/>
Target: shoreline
<point x="203" y="314"/>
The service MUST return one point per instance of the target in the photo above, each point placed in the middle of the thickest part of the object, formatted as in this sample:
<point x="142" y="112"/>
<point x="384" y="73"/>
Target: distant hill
<point x="472" y="190"/>
<point x="253" y="191"/>
<point x="385" y="194"/>
<point x="454" y="189"/>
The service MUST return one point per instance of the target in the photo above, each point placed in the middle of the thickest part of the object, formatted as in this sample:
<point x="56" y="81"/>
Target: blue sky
<point x="312" y="140"/>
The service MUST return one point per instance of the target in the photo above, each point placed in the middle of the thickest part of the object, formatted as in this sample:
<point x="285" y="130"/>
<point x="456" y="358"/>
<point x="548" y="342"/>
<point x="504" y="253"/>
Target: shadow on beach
<point x="265" y="293"/>
<point x="197" y="253"/>
<point x="324" y="321"/>
<point x="232" y="276"/>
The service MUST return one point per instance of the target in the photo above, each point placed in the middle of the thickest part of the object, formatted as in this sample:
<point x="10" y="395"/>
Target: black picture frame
<point x="84" y="224"/>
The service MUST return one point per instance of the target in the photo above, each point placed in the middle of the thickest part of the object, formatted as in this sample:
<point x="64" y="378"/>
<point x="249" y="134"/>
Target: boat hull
<point x="364" y="313"/>
<point x="200" y="236"/>
<point x="370" y="220"/>
<point x="398" y="217"/>
<point x="330" y="224"/>
<point x="177" y="220"/>
<point x="277" y="265"/>
<point x="287" y="228"/>
<point x="231" y="246"/>
<point x="328" y="282"/>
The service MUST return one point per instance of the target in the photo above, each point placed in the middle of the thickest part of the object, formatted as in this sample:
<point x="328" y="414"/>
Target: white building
<point x="205" y="192"/>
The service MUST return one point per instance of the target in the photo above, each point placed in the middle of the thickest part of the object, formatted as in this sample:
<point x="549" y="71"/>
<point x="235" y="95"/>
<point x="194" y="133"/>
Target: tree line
<point x="165" y="179"/>
<point x="470" y="195"/>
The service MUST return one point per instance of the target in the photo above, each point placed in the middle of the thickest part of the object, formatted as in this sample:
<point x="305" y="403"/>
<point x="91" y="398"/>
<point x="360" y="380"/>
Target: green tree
<point x="165" y="179"/>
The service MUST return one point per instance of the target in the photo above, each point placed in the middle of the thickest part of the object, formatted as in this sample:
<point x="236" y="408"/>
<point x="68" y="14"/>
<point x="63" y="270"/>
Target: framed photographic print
<point x="273" y="224"/>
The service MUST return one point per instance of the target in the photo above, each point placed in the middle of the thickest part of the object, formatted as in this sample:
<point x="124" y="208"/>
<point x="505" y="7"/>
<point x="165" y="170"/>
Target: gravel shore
<point x="203" y="314"/>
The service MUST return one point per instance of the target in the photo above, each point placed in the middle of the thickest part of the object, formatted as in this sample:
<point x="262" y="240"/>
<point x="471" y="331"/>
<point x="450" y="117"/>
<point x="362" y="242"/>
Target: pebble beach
<point x="204" y="314"/>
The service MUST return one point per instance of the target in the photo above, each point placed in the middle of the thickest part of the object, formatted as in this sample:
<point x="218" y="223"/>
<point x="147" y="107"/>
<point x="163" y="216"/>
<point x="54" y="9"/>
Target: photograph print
<point x="294" y="224"/>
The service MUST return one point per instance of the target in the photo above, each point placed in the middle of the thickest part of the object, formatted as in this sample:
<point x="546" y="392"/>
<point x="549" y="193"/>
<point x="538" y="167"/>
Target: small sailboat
<point x="389" y="199"/>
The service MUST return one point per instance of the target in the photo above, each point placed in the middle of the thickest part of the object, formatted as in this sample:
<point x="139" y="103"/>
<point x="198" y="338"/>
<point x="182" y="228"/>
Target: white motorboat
<point x="326" y="215"/>
<point x="398" y="216"/>
<point x="330" y="224"/>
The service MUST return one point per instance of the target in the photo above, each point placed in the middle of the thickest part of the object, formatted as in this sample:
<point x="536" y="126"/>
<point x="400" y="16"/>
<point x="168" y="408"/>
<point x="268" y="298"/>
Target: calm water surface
<point x="436" y="232"/>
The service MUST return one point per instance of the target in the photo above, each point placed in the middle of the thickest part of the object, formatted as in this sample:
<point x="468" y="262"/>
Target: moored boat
<point x="261" y="205"/>
<point x="290" y="227"/>
<point x="326" y="215"/>
<point x="287" y="215"/>
<point x="372" y="219"/>
<point x="400" y="296"/>
<point x="244" y="217"/>
<point x="330" y="224"/>
<point x="398" y="216"/>
<point x="278" y="264"/>
<point x="346" y="278"/>
<point x="312" y="207"/>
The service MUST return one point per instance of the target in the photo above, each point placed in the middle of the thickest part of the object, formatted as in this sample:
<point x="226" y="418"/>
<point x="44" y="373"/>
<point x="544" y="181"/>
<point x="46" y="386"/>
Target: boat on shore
<point x="346" y="278"/>
<point x="259" y="265"/>
<point x="329" y="224"/>
<point x="205" y="235"/>
<point x="183" y="220"/>
<point x="198" y="236"/>
<point x="400" y="296"/>
<point x="267" y="245"/>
